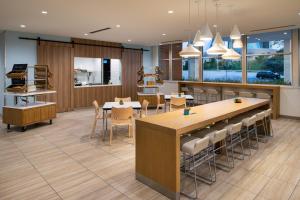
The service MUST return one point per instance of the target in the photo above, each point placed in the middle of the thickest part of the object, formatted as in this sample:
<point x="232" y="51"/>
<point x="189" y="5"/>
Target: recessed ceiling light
<point x="44" y="12"/>
<point x="170" y="11"/>
<point x="23" y="26"/>
<point x="285" y="33"/>
<point x="118" y="25"/>
<point x="243" y="34"/>
<point x="298" y="13"/>
<point x="86" y="34"/>
<point x="215" y="25"/>
<point x="164" y="34"/>
<point x="129" y="40"/>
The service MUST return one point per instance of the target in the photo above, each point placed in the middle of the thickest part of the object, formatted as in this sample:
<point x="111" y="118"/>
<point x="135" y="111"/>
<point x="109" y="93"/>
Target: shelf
<point x="20" y="94"/>
<point x="30" y="105"/>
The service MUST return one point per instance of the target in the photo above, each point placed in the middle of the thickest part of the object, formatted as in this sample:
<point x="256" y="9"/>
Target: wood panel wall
<point x="60" y="58"/>
<point x="131" y="62"/>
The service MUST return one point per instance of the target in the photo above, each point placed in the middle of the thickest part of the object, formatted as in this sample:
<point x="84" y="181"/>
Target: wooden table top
<point x="203" y="115"/>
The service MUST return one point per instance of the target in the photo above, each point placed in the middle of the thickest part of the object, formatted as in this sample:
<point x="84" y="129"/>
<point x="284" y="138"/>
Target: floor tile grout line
<point x="37" y="170"/>
<point x="85" y="167"/>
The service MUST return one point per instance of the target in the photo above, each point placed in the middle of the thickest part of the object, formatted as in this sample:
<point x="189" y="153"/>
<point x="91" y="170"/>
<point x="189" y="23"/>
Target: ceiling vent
<point x="100" y="30"/>
<point x="272" y="28"/>
<point x="170" y="42"/>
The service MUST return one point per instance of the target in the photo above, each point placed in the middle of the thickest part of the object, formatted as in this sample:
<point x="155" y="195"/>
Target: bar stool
<point x="229" y="94"/>
<point x="195" y="153"/>
<point x="268" y="122"/>
<point x="200" y="95"/>
<point x="185" y="90"/>
<point x="234" y="138"/>
<point x="220" y="138"/>
<point x="246" y="94"/>
<point x="260" y="122"/>
<point x="212" y="95"/>
<point x="249" y="128"/>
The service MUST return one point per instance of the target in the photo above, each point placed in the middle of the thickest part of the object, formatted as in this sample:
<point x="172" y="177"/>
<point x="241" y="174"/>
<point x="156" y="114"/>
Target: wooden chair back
<point x="121" y="113"/>
<point x="126" y="99"/>
<point x="177" y="103"/>
<point x="97" y="108"/>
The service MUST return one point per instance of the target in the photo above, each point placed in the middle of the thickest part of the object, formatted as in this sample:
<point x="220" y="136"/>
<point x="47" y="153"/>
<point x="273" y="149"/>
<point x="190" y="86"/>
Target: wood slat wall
<point x="60" y="58"/>
<point x="131" y="62"/>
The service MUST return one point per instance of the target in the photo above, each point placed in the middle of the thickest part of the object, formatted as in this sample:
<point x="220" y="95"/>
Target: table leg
<point x="103" y="128"/>
<point x="105" y="122"/>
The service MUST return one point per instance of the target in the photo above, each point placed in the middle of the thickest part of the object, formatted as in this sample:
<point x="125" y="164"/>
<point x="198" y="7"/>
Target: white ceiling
<point x="142" y="21"/>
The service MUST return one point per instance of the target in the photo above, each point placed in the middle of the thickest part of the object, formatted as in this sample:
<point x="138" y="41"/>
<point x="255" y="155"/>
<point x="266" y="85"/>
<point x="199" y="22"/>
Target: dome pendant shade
<point x="231" y="55"/>
<point x="197" y="41"/>
<point x="218" y="46"/>
<point x="235" y="33"/>
<point x="237" y="44"/>
<point x="206" y="33"/>
<point x="189" y="51"/>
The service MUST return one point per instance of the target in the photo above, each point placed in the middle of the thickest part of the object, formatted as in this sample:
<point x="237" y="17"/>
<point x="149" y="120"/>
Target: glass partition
<point x="97" y="71"/>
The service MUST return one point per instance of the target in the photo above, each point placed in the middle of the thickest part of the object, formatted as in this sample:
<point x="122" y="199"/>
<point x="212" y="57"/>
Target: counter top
<point x="89" y="86"/>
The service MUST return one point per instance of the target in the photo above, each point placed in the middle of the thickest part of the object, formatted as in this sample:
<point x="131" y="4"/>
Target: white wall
<point x="290" y="101"/>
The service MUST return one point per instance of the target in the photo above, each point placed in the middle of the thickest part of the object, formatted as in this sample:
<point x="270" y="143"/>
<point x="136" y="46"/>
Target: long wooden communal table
<point x="158" y="140"/>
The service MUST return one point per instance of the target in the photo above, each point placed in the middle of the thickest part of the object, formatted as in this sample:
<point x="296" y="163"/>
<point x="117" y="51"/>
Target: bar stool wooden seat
<point x="195" y="153"/>
<point x="229" y="94"/>
<point x="246" y="94"/>
<point x="212" y="95"/>
<point x="177" y="103"/>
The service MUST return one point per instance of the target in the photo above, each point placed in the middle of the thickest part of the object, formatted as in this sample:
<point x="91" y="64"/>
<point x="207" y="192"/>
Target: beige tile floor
<point x="59" y="161"/>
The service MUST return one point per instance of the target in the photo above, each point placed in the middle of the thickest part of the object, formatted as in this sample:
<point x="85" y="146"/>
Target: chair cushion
<point x="195" y="146"/>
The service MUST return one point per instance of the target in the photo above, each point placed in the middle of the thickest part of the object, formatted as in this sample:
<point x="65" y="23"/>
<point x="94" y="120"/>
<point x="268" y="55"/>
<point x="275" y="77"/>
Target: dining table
<point x="136" y="105"/>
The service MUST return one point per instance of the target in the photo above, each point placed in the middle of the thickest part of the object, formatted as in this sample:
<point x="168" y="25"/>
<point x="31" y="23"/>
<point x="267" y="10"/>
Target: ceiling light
<point x="285" y="33"/>
<point x="206" y="33"/>
<point x="298" y="13"/>
<point x="189" y="51"/>
<point x="218" y="46"/>
<point x="197" y="40"/>
<point x="231" y="55"/>
<point x="128" y="40"/>
<point x="215" y="26"/>
<point x="170" y="12"/>
<point x="164" y="34"/>
<point x="235" y="33"/>
<point x="237" y="44"/>
<point x="44" y="12"/>
<point x="118" y="25"/>
<point x="86" y="34"/>
<point x="248" y="37"/>
<point x="23" y="26"/>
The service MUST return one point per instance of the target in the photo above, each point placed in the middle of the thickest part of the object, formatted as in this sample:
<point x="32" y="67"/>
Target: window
<point x="216" y="69"/>
<point x="96" y="71"/>
<point x="269" y="58"/>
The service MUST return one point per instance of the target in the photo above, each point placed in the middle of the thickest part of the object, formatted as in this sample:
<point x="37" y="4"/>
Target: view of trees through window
<point x="269" y="58"/>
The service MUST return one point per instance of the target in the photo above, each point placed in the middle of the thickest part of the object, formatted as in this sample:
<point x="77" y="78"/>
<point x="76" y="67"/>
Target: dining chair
<point x="121" y="117"/>
<point x="126" y="99"/>
<point x="159" y="104"/>
<point x="177" y="103"/>
<point x="97" y="117"/>
<point x="144" y="110"/>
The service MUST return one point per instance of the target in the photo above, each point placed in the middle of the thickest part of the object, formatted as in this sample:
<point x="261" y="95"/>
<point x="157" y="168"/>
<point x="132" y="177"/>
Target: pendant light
<point x="206" y="34"/>
<point x="197" y="40"/>
<point x="218" y="47"/>
<point x="231" y="55"/>
<point x="235" y="33"/>
<point x="189" y="51"/>
<point x="237" y="44"/>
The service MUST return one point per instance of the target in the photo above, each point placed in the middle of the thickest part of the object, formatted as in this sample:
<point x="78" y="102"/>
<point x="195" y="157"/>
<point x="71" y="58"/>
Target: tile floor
<point x="60" y="161"/>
